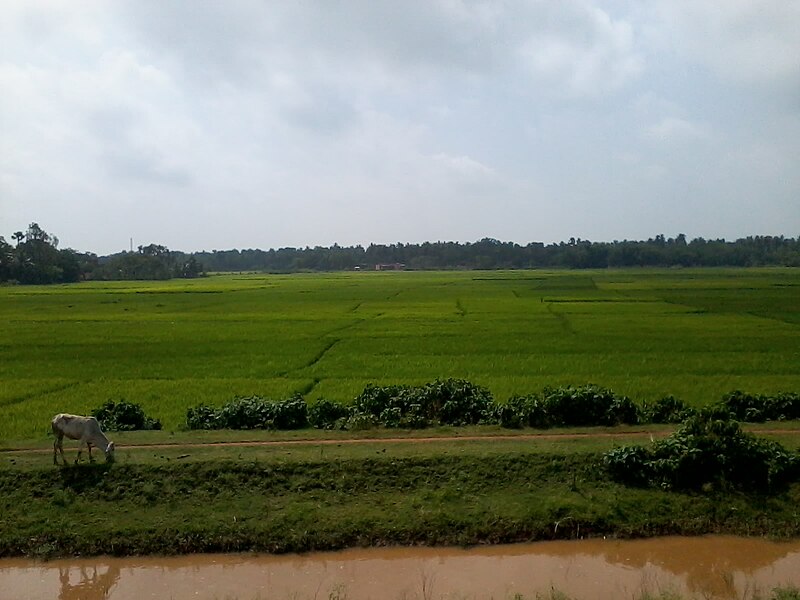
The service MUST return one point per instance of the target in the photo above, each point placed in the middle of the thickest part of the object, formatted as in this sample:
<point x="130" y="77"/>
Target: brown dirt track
<point x="408" y="440"/>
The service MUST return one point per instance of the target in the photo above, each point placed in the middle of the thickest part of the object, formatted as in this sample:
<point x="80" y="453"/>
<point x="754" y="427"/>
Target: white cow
<point x="86" y="430"/>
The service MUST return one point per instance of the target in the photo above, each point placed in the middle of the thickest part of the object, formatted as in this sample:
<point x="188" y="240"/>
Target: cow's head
<point x="109" y="451"/>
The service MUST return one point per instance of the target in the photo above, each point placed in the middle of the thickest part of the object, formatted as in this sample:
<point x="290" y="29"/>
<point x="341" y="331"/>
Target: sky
<point x="211" y="125"/>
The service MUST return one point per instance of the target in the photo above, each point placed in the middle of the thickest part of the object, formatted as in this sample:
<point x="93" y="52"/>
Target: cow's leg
<point x="55" y="450"/>
<point x="59" y="443"/>
<point x="80" y="450"/>
<point x="89" y="446"/>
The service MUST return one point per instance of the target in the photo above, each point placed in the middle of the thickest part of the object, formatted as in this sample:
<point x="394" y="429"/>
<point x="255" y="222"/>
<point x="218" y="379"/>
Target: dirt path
<point x="396" y="440"/>
<point x="407" y="440"/>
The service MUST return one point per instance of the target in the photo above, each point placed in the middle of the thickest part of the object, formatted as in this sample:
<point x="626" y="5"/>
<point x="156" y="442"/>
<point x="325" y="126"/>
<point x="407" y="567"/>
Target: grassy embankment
<point x="168" y="346"/>
<point x="314" y="496"/>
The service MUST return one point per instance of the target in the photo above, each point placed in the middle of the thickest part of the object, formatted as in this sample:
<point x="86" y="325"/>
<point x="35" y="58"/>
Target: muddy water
<point x="708" y="567"/>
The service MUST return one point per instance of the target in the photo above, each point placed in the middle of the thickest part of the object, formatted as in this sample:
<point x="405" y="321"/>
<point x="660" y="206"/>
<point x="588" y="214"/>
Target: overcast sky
<point x="256" y="124"/>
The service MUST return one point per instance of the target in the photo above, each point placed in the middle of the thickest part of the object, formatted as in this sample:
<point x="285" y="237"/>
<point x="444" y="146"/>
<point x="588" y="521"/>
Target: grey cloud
<point x="743" y="41"/>
<point x="580" y="49"/>
<point x="143" y="167"/>
<point x="414" y="34"/>
<point x="324" y="112"/>
<point x="124" y="158"/>
<point x="112" y="123"/>
<point x="245" y="41"/>
<point x="449" y="119"/>
<point x="209" y="42"/>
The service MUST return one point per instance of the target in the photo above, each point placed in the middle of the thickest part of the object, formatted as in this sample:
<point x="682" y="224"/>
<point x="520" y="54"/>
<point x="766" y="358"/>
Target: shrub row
<point x="459" y="402"/>
<point x="452" y="402"/>
<point x="709" y="449"/>
<point x="447" y="402"/>
<point x="593" y="405"/>
<point x="252" y="412"/>
<point x="568" y="406"/>
<point x="442" y="402"/>
<point x="757" y="408"/>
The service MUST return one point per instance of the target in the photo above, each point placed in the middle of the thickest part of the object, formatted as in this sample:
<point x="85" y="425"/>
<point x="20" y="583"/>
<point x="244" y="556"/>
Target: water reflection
<point x="708" y="567"/>
<point x="94" y="586"/>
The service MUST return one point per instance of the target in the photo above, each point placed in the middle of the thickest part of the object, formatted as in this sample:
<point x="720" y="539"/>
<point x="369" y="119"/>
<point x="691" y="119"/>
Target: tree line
<point x="33" y="257"/>
<point x="490" y="253"/>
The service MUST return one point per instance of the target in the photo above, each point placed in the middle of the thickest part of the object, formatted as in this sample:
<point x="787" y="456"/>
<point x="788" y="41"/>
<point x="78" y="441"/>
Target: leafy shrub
<point x="510" y="414"/>
<point x="629" y="464"/>
<point x="445" y="401"/>
<point x="203" y="417"/>
<point x="326" y="414"/>
<point x="360" y="421"/>
<point x="522" y="411"/>
<point x="785" y="406"/>
<point x="456" y="402"/>
<point x="124" y="416"/>
<point x="588" y="405"/>
<point x="759" y="408"/>
<point x="710" y="448"/>
<point x="374" y="399"/>
<point x="392" y="405"/>
<point x="668" y="409"/>
<point x="623" y="410"/>
<point x="290" y="414"/>
<point x="251" y="412"/>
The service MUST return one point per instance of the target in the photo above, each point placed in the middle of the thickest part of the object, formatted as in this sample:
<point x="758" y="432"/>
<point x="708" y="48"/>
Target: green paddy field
<point x="696" y="334"/>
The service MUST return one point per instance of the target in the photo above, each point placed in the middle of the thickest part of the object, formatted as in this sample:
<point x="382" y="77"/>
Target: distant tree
<point x="191" y="268"/>
<point x="37" y="259"/>
<point x="6" y="259"/>
<point x="153" y="261"/>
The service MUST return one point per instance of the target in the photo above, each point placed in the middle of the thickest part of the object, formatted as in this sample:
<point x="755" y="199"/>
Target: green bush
<point x="588" y="405"/>
<point x="444" y="401"/>
<point x="290" y="414"/>
<point x="522" y="411"/>
<point x="251" y="412"/>
<point x="709" y="449"/>
<point x="326" y="414"/>
<point x="629" y="464"/>
<point x="360" y="422"/>
<point x="668" y="409"/>
<point x="203" y="417"/>
<point x="456" y="402"/>
<point x="510" y="414"/>
<point x="393" y="406"/>
<point x="756" y="408"/>
<point x="375" y="399"/>
<point x="123" y="416"/>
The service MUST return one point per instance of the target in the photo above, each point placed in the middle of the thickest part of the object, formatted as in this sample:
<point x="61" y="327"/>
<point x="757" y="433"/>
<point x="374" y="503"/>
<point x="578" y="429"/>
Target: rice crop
<point x="695" y="334"/>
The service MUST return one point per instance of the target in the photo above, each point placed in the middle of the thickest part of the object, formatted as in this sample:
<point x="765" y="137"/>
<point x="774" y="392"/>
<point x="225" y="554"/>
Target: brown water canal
<point x="707" y="567"/>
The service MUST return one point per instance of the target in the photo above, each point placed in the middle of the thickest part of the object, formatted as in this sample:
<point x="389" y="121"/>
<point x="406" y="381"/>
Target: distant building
<point x="390" y="267"/>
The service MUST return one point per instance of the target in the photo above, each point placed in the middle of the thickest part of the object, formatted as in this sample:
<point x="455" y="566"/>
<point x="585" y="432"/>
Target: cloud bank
<point x="247" y="124"/>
